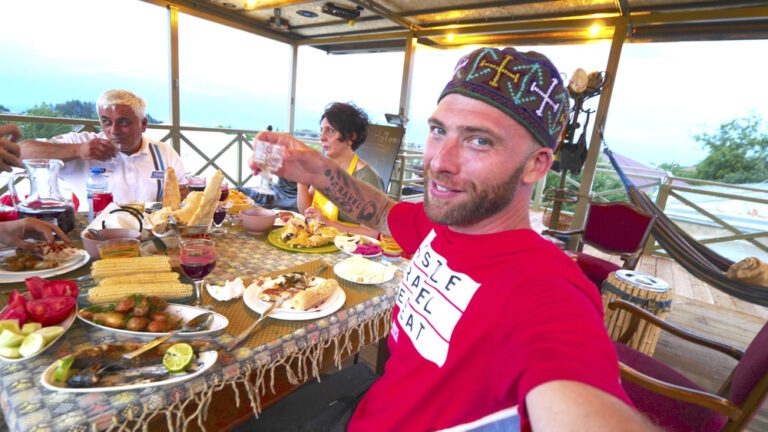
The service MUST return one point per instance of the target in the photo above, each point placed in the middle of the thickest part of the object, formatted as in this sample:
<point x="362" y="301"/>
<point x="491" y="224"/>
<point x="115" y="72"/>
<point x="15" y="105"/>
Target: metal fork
<point x="245" y="333"/>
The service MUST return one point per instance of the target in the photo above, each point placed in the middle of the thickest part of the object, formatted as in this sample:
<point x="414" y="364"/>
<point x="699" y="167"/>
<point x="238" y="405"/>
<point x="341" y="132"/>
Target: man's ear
<point x="144" y="124"/>
<point x="537" y="165"/>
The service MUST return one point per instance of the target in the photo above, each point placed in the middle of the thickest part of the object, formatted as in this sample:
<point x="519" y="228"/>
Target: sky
<point x="54" y="51"/>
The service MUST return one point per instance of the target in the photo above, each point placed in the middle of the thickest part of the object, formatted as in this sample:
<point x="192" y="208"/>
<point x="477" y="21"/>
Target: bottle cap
<point x="98" y="170"/>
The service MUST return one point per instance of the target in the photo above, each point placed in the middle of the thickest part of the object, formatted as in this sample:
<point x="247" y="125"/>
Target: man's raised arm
<point x="96" y="148"/>
<point x="362" y="202"/>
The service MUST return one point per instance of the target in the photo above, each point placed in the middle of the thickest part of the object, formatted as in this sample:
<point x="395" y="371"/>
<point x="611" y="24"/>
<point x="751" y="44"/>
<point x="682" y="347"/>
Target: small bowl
<point x="257" y="219"/>
<point x="195" y="231"/>
<point x="119" y="248"/>
<point x="91" y="244"/>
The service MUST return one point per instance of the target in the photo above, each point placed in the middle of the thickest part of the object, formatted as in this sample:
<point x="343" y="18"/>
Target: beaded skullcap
<point x="524" y="85"/>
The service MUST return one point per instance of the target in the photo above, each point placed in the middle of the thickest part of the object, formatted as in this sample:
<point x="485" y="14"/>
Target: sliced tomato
<point x="17" y="299"/>
<point x="60" y="288"/>
<point x="15" y="312"/>
<point x="51" y="310"/>
<point x="35" y="286"/>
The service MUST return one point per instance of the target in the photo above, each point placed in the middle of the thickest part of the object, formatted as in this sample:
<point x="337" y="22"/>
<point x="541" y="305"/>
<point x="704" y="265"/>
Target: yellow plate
<point x="274" y="238"/>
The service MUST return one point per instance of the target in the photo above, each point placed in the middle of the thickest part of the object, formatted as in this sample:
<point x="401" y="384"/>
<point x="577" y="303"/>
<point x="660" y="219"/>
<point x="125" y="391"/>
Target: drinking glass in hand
<point x="269" y="158"/>
<point x="198" y="259"/>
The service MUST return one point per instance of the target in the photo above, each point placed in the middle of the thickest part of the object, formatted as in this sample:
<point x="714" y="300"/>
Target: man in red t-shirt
<point x="490" y="321"/>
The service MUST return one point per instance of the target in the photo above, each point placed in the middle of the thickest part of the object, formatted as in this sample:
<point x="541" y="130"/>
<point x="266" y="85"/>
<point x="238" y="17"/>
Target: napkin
<point x="116" y="220"/>
<point x="231" y="290"/>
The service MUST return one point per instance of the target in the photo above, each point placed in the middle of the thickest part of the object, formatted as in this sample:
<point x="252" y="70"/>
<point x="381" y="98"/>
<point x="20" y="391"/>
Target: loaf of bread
<point x="171" y="193"/>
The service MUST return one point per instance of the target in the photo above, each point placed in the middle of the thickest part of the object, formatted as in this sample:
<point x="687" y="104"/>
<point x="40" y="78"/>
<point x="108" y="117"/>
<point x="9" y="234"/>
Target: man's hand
<point x="12" y="130"/>
<point x="301" y="163"/>
<point x="98" y="149"/>
<point x="14" y="232"/>
<point x="9" y="151"/>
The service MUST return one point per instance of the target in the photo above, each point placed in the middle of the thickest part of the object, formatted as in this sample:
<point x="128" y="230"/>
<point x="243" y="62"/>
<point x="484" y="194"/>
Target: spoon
<point x="200" y="322"/>
<point x="95" y="234"/>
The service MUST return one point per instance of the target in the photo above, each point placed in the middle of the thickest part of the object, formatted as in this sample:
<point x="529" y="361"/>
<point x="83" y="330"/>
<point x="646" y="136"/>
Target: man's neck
<point x="137" y="148"/>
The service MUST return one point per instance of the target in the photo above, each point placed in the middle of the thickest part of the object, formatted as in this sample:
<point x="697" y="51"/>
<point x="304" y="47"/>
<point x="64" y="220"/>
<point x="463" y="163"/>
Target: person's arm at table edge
<point x="303" y="197"/>
<point x="574" y="406"/>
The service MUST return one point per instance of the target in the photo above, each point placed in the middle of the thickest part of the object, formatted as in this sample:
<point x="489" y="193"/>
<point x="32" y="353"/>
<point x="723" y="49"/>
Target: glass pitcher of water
<point x="44" y="201"/>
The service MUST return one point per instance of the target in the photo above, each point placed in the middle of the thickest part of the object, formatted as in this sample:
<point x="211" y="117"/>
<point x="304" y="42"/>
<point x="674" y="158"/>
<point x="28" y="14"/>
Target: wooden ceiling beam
<point x="202" y="10"/>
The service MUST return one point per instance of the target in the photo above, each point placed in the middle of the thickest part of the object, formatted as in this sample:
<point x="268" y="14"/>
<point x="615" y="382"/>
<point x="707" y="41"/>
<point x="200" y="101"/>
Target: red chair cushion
<point x="751" y="368"/>
<point x="671" y="414"/>
<point x="596" y="269"/>
<point x="616" y="227"/>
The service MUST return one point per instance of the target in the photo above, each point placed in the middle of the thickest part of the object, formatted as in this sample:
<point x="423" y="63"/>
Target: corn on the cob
<point x="142" y="278"/>
<point x="130" y="266"/>
<point x="111" y="293"/>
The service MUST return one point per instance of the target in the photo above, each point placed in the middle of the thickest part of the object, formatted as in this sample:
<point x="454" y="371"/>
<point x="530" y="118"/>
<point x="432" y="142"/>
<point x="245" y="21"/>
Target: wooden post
<point x="588" y="174"/>
<point x="292" y="92"/>
<point x="173" y="40"/>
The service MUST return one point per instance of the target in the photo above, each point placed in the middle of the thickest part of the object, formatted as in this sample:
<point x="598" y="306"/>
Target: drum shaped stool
<point x="645" y="291"/>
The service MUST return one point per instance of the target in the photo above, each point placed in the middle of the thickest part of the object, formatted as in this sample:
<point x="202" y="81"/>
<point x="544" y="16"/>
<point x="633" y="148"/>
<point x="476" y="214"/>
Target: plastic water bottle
<point x="99" y="196"/>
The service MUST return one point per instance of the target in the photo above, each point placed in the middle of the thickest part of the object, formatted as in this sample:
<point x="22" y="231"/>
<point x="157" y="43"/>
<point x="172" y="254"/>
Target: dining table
<point x="277" y="358"/>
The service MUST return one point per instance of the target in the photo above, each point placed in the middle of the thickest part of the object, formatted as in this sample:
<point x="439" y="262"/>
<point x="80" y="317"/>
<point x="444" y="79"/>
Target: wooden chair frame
<point x="738" y="416"/>
<point x="630" y="259"/>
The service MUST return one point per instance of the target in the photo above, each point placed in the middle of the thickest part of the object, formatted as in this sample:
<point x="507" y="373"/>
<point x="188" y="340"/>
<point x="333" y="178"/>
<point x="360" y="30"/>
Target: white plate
<point x="184" y="312"/>
<point x="66" y="324"/>
<point x="329" y="306"/>
<point x="341" y="270"/>
<point x="341" y="239"/>
<point x="207" y="357"/>
<point x="76" y="261"/>
<point x="279" y="222"/>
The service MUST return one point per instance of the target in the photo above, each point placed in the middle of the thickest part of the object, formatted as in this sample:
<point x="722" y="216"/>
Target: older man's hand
<point x="14" y="232"/>
<point x="98" y="149"/>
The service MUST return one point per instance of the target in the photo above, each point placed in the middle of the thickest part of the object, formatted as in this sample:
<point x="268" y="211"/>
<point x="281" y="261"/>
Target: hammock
<point x="696" y="258"/>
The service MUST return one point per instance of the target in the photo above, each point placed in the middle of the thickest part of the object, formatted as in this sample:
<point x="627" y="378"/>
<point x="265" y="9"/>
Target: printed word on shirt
<point x="431" y="300"/>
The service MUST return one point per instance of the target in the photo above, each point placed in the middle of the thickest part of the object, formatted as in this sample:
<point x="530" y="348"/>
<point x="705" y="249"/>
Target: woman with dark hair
<point x="343" y="128"/>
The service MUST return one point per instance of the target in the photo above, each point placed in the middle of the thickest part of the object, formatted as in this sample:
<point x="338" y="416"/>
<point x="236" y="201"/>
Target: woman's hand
<point x="14" y="232"/>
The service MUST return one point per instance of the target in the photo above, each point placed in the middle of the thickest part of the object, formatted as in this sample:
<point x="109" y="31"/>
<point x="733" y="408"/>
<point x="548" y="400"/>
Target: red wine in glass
<point x="224" y="191"/>
<point x="219" y="215"/>
<point x="198" y="259"/>
<point x="197" y="271"/>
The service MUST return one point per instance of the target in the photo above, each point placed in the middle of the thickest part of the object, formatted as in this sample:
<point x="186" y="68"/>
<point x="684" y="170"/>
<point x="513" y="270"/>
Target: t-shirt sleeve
<point x="408" y="225"/>
<point x="558" y="335"/>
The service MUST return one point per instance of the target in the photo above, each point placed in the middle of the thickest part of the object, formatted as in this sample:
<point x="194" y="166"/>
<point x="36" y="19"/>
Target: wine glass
<point x="269" y="158"/>
<point x="198" y="259"/>
<point x="224" y="191"/>
<point x="219" y="216"/>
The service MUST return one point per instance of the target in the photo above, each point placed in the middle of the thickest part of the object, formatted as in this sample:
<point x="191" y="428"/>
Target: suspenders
<point x="157" y="160"/>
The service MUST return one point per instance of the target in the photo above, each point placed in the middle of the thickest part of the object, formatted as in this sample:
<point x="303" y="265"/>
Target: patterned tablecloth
<point x="28" y="406"/>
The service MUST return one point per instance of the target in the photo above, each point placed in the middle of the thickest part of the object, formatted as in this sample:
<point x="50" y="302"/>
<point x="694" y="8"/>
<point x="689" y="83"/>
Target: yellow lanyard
<point x="327" y="208"/>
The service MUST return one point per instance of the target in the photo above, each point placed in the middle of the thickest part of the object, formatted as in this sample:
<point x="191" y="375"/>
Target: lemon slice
<point x="178" y="357"/>
<point x="32" y="344"/>
<point x="12" y="324"/>
<point x="9" y="352"/>
<point x="62" y="369"/>
<point x="31" y="327"/>
<point x="9" y="338"/>
<point x="50" y="333"/>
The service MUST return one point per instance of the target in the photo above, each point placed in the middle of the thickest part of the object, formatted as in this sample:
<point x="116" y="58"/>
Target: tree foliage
<point x="43" y="130"/>
<point x="738" y="152"/>
<point x="77" y="109"/>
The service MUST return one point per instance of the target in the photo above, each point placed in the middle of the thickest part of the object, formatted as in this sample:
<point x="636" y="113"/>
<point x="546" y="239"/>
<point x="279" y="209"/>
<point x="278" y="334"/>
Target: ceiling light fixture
<point x="450" y="37"/>
<point x="306" y="13"/>
<point x="251" y="4"/>
<point x="341" y="12"/>
<point x="595" y="29"/>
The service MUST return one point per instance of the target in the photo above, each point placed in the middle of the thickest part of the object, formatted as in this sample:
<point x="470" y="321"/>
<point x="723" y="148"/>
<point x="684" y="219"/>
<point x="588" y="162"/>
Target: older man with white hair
<point x="134" y="162"/>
